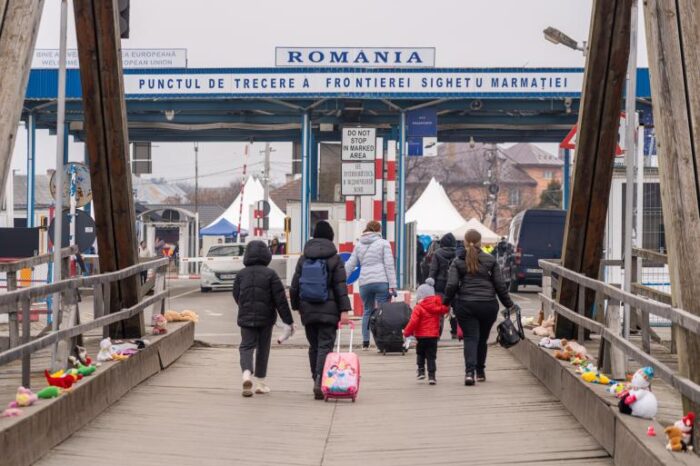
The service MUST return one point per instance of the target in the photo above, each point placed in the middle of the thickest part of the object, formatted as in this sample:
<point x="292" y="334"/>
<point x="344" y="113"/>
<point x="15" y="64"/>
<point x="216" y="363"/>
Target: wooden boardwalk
<point x="193" y="414"/>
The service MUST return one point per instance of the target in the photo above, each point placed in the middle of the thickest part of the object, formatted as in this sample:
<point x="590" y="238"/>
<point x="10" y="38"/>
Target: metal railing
<point x="614" y="348"/>
<point x="19" y="302"/>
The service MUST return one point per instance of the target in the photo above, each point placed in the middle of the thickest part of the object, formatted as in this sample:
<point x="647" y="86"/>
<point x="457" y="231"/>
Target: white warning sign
<point x="359" y="144"/>
<point x="358" y="179"/>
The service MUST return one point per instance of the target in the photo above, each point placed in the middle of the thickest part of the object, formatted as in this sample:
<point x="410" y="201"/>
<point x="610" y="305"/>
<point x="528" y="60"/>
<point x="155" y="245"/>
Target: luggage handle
<point x="350" y="324"/>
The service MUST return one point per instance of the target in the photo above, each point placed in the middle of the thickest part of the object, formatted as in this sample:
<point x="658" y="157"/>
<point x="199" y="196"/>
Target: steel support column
<point x="305" y="171"/>
<point x="31" y="169"/>
<point x="314" y="163"/>
<point x="401" y="205"/>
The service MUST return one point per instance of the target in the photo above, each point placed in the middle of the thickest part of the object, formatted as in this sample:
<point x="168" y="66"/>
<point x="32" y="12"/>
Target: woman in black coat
<point x="473" y="283"/>
<point x="260" y="296"/>
<point x="321" y="319"/>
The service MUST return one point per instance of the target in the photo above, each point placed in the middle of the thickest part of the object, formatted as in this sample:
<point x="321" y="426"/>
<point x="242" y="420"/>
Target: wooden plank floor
<point x="193" y="414"/>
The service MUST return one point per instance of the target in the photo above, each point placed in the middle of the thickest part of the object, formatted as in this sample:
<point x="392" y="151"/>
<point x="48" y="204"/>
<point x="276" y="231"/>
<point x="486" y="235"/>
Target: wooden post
<point x="12" y="316"/>
<point x="673" y="43"/>
<point x="26" y="306"/>
<point x="107" y="143"/>
<point x="19" y="25"/>
<point x="599" y="118"/>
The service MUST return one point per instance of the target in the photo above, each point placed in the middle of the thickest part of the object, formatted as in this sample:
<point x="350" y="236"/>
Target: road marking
<point x="183" y="294"/>
<point x="213" y="314"/>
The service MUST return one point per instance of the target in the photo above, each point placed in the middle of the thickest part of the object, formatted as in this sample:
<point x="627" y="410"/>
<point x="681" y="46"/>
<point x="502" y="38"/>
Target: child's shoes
<point x="261" y="387"/>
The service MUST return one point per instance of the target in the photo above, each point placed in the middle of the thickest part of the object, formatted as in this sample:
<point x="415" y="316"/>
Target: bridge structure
<point x="175" y="404"/>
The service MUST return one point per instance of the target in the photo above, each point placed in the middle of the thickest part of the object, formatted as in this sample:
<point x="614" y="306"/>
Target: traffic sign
<point x="359" y="144"/>
<point x="83" y="188"/>
<point x="569" y="141"/>
<point x="355" y="274"/>
<point x="358" y="179"/>
<point x="85" y="232"/>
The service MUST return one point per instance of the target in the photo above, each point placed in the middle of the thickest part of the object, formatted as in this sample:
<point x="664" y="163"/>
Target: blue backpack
<point x="313" y="283"/>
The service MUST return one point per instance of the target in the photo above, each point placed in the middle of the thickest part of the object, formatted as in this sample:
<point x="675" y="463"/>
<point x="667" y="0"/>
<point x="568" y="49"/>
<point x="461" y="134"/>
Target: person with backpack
<point x="439" y="265"/>
<point x="259" y="294"/>
<point x="474" y="281"/>
<point x="319" y="292"/>
<point x="377" y="273"/>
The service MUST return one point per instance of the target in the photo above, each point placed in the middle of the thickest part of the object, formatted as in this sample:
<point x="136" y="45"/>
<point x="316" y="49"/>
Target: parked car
<point x="534" y="234"/>
<point x="220" y="273"/>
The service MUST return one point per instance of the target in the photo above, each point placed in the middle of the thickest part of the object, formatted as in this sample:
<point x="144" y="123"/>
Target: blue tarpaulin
<point x="221" y="228"/>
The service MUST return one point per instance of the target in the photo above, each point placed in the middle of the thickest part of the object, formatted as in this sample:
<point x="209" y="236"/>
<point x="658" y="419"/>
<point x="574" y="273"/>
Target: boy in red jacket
<point x="425" y="326"/>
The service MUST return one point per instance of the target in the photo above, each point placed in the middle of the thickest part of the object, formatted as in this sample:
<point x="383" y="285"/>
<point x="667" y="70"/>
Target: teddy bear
<point x="686" y="425"/>
<point x="24" y="397"/>
<point x="639" y="401"/>
<point x="546" y="329"/>
<point x="184" y="316"/>
<point x="675" y="439"/>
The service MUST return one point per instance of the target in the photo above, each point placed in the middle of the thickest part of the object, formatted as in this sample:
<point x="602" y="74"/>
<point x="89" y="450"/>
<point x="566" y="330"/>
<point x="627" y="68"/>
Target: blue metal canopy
<point x="221" y="228"/>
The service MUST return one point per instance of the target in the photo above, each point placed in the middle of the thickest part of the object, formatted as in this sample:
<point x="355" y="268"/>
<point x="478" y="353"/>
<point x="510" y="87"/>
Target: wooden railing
<point x="19" y="301"/>
<point x="614" y="348"/>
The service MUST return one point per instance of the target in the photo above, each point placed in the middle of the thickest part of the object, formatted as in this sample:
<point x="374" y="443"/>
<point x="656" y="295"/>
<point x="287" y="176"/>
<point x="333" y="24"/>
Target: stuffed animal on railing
<point x="546" y="329"/>
<point x="184" y="316"/>
<point x="686" y="425"/>
<point x="639" y="401"/>
<point x="159" y="322"/>
<point x="24" y="397"/>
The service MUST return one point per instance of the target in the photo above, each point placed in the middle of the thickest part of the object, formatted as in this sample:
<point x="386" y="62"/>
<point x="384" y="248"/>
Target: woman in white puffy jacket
<point x="377" y="273"/>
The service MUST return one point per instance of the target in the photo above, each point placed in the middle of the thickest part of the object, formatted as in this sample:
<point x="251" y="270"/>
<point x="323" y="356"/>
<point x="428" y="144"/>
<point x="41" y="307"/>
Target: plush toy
<point x="184" y="316"/>
<point x="686" y="425"/>
<point x="563" y="355"/>
<point x="49" y="392"/>
<point x="675" y="439"/>
<point x="546" y="329"/>
<point x="105" y="353"/>
<point x="12" y="412"/>
<point x="81" y="369"/>
<point x="573" y="347"/>
<point x="639" y="401"/>
<point x="159" y="322"/>
<point x="617" y="388"/>
<point x="24" y="397"/>
<point x="59" y="381"/>
<point x="551" y="343"/>
<point x="595" y="377"/>
<point x="80" y="353"/>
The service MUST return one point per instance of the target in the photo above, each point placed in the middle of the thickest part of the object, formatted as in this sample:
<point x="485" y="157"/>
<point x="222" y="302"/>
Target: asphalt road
<point x="217" y="312"/>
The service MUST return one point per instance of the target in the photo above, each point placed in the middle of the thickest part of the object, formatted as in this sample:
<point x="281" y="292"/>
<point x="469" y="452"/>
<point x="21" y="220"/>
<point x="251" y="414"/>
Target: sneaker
<point x="481" y="376"/>
<point x="261" y="387"/>
<point x="469" y="379"/>
<point x="365" y="345"/>
<point x="420" y="375"/>
<point x="431" y="379"/>
<point x="247" y="384"/>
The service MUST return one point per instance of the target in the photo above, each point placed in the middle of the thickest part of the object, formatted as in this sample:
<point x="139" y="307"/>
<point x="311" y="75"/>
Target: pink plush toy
<point x="11" y="412"/>
<point x="159" y="322"/>
<point x="25" y="397"/>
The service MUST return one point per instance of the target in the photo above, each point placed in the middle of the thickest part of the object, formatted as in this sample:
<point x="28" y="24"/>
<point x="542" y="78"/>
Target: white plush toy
<point x="639" y="401"/>
<point x="105" y="353"/>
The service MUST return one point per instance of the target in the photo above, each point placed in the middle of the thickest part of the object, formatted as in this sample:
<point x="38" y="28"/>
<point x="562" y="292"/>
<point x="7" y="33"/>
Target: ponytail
<point x="472" y="246"/>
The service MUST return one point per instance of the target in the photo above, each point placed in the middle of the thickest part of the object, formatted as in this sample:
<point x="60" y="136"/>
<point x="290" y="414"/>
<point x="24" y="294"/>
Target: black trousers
<point x="255" y="341"/>
<point x="476" y="319"/>
<point x="426" y="350"/>
<point x="321" y="338"/>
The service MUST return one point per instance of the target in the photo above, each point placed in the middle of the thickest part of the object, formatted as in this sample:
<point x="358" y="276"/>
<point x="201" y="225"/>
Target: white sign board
<point x="359" y="144"/>
<point x="131" y="58"/>
<point x="356" y="57"/>
<point x="358" y="179"/>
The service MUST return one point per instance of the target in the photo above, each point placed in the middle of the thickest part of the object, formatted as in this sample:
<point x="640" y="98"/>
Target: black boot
<point x="431" y="379"/>
<point x="318" y="393"/>
<point x="420" y="374"/>
<point x="469" y="378"/>
<point x="480" y="375"/>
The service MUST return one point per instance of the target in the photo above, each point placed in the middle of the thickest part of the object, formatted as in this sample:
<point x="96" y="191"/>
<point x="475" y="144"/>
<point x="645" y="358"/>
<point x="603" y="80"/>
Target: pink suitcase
<point x="341" y="371"/>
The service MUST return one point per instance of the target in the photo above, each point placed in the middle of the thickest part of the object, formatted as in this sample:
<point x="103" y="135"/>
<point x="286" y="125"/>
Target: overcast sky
<point x="224" y="33"/>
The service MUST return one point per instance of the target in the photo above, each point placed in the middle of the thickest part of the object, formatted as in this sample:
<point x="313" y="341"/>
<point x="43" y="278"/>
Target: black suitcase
<point x="387" y="324"/>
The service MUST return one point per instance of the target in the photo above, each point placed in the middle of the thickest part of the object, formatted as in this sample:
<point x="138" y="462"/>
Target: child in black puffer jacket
<point x="260" y="296"/>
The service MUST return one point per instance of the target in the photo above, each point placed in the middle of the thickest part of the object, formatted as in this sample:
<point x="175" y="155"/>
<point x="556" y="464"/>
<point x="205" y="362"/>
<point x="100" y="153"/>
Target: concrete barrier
<point x="25" y="439"/>
<point x="623" y="437"/>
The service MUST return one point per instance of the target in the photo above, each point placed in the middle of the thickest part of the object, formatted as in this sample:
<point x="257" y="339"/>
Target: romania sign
<point x="400" y="57"/>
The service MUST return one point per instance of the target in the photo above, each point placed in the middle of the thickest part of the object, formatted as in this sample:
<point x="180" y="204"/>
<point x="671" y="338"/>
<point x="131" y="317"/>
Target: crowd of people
<point x="464" y="282"/>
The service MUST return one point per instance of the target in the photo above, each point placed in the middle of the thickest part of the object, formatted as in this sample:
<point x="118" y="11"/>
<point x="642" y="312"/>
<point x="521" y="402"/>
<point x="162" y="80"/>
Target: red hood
<point x="433" y="304"/>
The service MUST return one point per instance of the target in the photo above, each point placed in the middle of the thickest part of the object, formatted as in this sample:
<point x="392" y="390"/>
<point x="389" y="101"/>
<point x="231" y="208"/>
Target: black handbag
<point x="510" y="333"/>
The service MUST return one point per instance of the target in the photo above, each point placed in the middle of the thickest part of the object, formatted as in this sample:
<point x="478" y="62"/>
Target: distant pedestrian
<point x="144" y="254"/>
<point x="420" y="255"/>
<point x="276" y="248"/>
<point x="259" y="294"/>
<point x="425" y="326"/>
<point x="158" y="246"/>
<point x="319" y="292"/>
<point x="440" y="264"/>
<point x="474" y="281"/>
<point x="377" y="273"/>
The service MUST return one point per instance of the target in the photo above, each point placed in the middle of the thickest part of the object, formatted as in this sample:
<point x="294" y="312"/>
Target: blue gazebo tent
<point x="221" y="228"/>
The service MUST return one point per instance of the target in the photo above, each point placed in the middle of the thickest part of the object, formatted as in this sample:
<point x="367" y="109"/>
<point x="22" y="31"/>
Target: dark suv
<point x="534" y="234"/>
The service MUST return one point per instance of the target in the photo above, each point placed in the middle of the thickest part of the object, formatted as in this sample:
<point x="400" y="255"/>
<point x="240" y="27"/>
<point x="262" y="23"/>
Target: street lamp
<point x="555" y="36"/>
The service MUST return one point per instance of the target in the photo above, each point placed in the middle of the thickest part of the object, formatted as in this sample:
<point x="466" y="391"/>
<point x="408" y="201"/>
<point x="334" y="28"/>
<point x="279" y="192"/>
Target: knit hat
<point x="425" y="290"/>
<point x="323" y="229"/>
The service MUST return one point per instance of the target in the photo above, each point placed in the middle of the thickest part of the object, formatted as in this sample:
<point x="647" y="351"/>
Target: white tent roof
<point x="434" y="212"/>
<point x="252" y="192"/>
<point x="488" y="236"/>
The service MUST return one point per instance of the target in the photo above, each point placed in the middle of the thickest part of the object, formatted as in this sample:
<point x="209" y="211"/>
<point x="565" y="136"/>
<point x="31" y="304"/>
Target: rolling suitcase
<point x="387" y="324"/>
<point x="341" y="371"/>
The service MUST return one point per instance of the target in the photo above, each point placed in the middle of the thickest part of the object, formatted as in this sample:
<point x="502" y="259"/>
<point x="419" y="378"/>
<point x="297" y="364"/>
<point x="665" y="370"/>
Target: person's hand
<point x="392" y="292"/>
<point x="344" y="319"/>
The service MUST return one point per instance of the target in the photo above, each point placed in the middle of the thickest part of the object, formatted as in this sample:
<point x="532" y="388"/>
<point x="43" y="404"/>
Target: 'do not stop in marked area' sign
<point x="359" y="144"/>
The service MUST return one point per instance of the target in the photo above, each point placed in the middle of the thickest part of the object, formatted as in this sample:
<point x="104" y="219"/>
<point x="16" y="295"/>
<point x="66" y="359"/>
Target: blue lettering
<point x="361" y="57"/>
<point x="318" y="54"/>
<point x="141" y="83"/>
<point x="306" y="83"/>
<point x="414" y="58"/>
<point x="294" y="57"/>
<point x="557" y="82"/>
<point x="339" y="57"/>
<point x="495" y="82"/>
<point x="381" y="56"/>
<point x="479" y="82"/>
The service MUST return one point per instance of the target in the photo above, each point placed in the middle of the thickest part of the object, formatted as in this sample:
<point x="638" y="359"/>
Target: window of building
<point x="513" y="196"/>
<point x="653" y="234"/>
<point x="548" y="175"/>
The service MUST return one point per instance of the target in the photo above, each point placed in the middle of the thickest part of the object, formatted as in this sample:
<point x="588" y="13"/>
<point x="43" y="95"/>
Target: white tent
<point x="487" y="235"/>
<point x="253" y="191"/>
<point x="434" y="212"/>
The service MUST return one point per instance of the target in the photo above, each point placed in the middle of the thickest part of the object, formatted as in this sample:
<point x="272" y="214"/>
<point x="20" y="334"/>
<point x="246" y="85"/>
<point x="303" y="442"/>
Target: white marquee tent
<point x="252" y="192"/>
<point x="434" y="212"/>
<point x="488" y="236"/>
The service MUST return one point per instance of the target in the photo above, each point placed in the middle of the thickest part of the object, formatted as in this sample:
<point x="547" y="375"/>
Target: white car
<point x="219" y="272"/>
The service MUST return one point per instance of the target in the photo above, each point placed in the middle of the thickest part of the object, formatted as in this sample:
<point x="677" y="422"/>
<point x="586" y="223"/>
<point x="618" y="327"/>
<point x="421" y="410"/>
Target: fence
<point x="19" y="302"/>
<point x="614" y="348"/>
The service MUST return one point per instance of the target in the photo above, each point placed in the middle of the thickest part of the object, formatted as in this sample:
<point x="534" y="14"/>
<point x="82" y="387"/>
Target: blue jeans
<point x="371" y="293"/>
